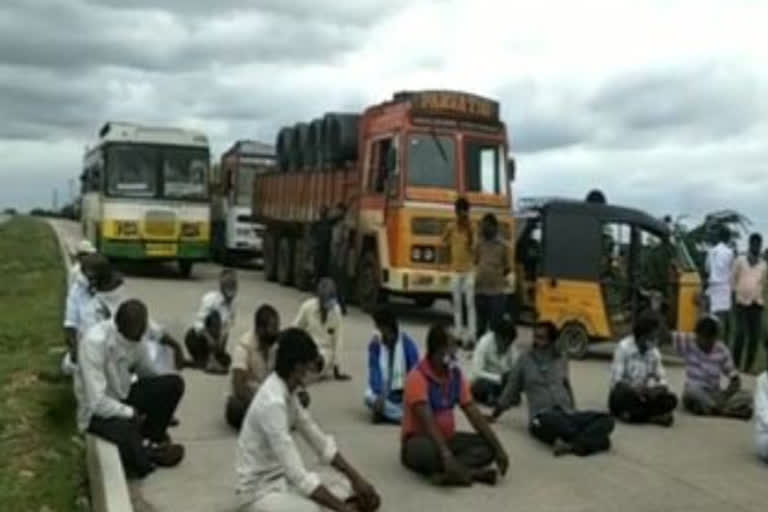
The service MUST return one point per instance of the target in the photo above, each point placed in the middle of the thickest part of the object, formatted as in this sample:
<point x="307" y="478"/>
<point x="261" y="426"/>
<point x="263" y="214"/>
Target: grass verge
<point x="43" y="463"/>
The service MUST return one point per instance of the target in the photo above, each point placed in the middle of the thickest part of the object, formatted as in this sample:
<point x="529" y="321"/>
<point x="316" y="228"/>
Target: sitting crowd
<point x="127" y="379"/>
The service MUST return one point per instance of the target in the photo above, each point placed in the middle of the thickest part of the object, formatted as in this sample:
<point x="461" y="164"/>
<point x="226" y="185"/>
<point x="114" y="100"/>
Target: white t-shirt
<point x="719" y="266"/>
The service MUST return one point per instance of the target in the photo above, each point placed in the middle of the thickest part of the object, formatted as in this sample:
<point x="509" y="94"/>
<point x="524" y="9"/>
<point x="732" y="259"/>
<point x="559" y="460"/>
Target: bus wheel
<point x="285" y="261"/>
<point x="270" y="267"/>
<point x="185" y="268"/>
<point x="573" y="340"/>
<point x="369" y="293"/>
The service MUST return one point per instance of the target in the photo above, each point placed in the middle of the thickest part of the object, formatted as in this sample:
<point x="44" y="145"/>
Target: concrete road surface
<point x="698" y="465"/>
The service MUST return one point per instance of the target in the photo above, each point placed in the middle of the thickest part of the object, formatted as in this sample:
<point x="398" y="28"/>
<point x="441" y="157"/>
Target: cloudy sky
<point x="662" y="103"/>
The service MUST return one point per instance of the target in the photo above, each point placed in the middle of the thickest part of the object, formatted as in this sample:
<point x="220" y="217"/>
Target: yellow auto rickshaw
<point x="589" y="268"/>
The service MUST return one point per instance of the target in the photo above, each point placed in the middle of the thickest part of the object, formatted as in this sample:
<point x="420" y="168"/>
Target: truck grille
<point x="428" y="226"/>
<point x="160" y="224"/>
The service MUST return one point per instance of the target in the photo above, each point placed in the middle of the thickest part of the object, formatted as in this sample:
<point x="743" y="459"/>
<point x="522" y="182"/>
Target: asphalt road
<point x="698" y="465"/>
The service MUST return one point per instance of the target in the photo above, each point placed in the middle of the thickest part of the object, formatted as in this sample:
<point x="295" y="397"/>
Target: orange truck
<point x="398" y="168"/>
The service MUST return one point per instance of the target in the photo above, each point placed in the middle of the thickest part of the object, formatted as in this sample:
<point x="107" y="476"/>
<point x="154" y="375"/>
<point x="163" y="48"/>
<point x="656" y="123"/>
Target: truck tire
<point x="302" y="277"/>
<point x="312" y="153"/>
<point x="369" y="293"/>
<point x="573" y="340"/>
<point x="340" y="137"/>
<point x="283" y="148"/>
<point x="424" y="301"/>
<point x="285" y="261"/>
<point x="185" y="268"/>
<point x="269" y="254"/>
<point x="298" y="141"/>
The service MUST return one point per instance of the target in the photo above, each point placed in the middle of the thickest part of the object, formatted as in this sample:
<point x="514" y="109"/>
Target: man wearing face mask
<point x="134" y="416"/>
<point x="253" y="359"/>
<point x="271" y="474"/>
<point x="322" y="319"/>
<point x="430" y="444"/>
<point x="207" y="346"/>
<point x="639" y="392"/>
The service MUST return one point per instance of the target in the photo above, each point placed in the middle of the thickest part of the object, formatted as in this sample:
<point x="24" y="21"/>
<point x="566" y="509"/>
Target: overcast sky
<point x="663" y="104"/>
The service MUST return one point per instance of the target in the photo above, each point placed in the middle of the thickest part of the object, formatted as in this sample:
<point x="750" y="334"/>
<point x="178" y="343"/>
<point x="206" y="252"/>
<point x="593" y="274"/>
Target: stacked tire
<point x="325" y="142"/>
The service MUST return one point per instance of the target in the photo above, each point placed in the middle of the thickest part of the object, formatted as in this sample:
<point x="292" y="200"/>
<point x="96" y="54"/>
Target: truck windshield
<point x="432" y="161"/>
<point x="484" y="167"/>
<point x="245" y="175"/>
<point x="185" y="173"/>
<point x="131" y="171"/>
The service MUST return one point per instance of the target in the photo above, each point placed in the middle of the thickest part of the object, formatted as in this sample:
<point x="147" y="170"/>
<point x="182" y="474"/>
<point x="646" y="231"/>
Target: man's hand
<point x="368" y="499"/>
<point x="304" y="399"/>
<point x="502" y="461"/>
<point x="456" y="471"/>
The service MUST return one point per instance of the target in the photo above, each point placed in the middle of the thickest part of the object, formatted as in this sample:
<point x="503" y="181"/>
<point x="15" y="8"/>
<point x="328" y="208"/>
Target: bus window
<point x="184" y="173"/>
<point x="131" y="171"/>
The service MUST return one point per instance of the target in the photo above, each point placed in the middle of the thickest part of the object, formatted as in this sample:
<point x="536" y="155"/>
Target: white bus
<point x="145" y="194"/>
<point x="235" y="234"/>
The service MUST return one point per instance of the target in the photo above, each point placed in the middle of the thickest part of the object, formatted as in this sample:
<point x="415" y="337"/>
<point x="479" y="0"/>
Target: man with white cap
<point x="78" y="297"/>
<point x="84" y="248"/>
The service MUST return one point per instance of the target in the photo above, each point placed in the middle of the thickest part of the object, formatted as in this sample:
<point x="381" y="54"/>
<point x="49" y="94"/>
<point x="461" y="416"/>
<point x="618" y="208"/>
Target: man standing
<point x="270" y="471"/>
<point x="321" y="317"/>
<point x="719" y="265"/>
<point x="392" y="354"/>
<point x="494" y="357"/>
<point x="706" y="360"/>
<point x="207" y="345"/>
<point x="542" y="374"/>
<point x="339" y="255"/>
<point x="492" y="267"/>
<point x="133" y="416"/>
<point x="761" y="415"/>
<point x="430" y="444"/>
<point x="639" y="392"/>
<point x="749" y="285"/>
<point x="322" y="237"/>
<point x="459" y="238"/>
<point x="253" y="359"/>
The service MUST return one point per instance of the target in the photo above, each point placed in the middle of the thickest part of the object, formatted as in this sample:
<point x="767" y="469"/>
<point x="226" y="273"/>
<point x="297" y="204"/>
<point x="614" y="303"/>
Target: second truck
<point x="398" y="168"/>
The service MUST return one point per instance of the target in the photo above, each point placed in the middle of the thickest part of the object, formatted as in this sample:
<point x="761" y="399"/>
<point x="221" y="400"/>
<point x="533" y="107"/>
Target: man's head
<point x="505" y="332"/>
<point x="544" y="334"/>
<point x="131" y="320"/>
<point x="228" y="283"/>
<point x="707" y="330"/>
<point x="462" y="209"/>
<point x="88" y="265"/>
<point x="441" y="347"/>
<point x="297" y="355"/>
<point x="266" y="324"/>
<point x="645" y="330"/>
<point x="755" y="244"/>
<point x="105" y="278"/>
<point x="84" y="248"/>
<point x="326" y="293"/>
<point x="386" y="323"/>
<point x="596" y="196"/>
<point x="324" y="211"/>
<point x="490" y="226"/>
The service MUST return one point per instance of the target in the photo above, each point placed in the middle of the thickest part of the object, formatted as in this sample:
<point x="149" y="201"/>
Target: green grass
<point x="42" y="463"/>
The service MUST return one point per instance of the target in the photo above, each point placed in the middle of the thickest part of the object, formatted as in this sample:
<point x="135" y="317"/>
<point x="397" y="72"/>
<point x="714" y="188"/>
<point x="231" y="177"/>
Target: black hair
<point x="227" y="273"/>
<point x="263" y="314"/>
<point x="755" y="238"/>
<point x="490" y="218"/>
<point x="724" y="235"/>
<point x="596" y="196"/>
<point x="645" y="323"/>
<point x="294" y="347"/>
<point x="707" y="327"/>
<point x="461" y="205"/>
<point x="552" y="332"/>
<point x="505" y="328"/>
<point x="383" y="316"/>
<point x="437" y="337"/>
<point x="130" y="311"/>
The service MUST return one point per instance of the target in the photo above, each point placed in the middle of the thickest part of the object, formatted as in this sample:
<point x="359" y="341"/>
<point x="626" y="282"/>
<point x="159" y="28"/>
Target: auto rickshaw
<point x="590" y="268"/>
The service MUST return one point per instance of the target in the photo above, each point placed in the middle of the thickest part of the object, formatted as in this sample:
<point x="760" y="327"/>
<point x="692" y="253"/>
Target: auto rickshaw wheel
<point x="573" y="340"/>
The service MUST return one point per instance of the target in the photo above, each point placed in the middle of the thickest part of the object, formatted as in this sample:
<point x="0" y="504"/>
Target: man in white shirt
<point x="494" y="357"/>
<point x="134" y="416"/>
<point x="206" y="341"/>
<point x="271" y="474"/>
<point x="78" y="296"/>
<point x="83" y="250"/>
<point x="749" y="272"/>
<point x="321" y="317"/>
<point x="253" y="359"/>
<point x="761" y="415"/>
<point x="719" y="265"/>
<point x="639" y="392"/>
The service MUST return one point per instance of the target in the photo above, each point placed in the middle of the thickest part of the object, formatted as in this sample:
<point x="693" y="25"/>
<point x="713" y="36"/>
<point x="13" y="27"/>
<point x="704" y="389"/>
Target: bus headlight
<point x="126" y="228"/>
<point x="190" y="230"/>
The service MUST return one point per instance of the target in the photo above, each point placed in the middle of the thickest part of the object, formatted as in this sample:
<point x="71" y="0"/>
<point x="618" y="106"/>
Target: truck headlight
<point x="190" y="230"/>
<point x="423" y="253"/>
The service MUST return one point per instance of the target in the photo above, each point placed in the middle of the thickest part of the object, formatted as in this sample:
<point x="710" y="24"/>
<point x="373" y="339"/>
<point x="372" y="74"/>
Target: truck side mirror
<point x="511" y="169"/>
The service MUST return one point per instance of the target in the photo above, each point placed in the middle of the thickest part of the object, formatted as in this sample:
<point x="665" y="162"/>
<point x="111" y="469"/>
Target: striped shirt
<point x="703" y="370"/>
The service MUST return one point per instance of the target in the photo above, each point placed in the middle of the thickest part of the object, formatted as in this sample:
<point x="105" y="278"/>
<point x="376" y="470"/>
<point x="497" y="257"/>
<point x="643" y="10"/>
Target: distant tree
<point x="10" y="211"/>
<point x="704" y="235"/>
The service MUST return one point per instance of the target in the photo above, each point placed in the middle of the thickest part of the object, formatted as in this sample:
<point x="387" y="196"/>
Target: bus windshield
<point x="432" y="161"/>
<point x="131" y="171"/>
<point x="184" y="173"/>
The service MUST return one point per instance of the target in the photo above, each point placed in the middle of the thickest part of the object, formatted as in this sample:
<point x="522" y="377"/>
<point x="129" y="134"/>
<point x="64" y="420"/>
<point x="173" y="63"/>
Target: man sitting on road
<point x="321" y="317"/>
<point x="84" y="250"/>
<point x="542" y="374"/>
<point x="706" y="360"/>
<point x="253" y="359"/>
<point x="78" y="297"/>
<point x="271" y="474"/>
<point x="761" y="415"/>
<point x="430" y="444"/>
<point x="133" y="416"/>
<point x="494" y="357"/>
<point x="209" y="349"/>
<point x="392" y="354"/>
<point x="639" y="392"/>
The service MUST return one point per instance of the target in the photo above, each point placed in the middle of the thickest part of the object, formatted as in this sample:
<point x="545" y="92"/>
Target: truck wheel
<point x="424" y="302"/>
<point x="369" y="292"/>
<point x="573" y="340"/>
<point x="301" y="277"/>
<point x="285" y="261"/>
<point x="185" y="268"/>
<point x="270" y="267"/>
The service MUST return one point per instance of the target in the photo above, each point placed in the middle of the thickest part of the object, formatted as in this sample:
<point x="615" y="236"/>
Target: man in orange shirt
<point x="459" y="238"/>
<point x="430" y="444"/>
